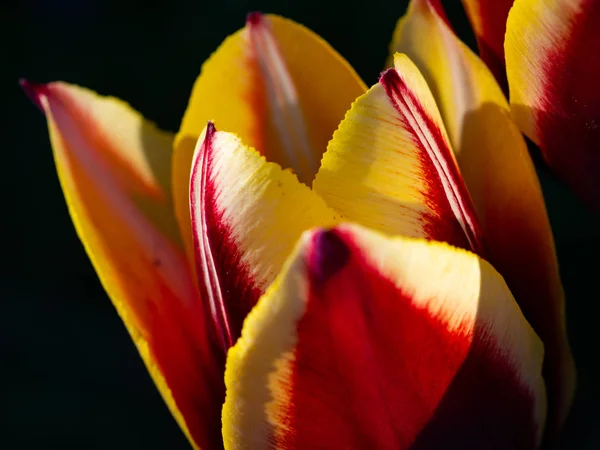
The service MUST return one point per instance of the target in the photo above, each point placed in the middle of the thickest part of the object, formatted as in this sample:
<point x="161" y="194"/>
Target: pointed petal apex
<point x="34" y="91"/>
<point x="254" y="18"/>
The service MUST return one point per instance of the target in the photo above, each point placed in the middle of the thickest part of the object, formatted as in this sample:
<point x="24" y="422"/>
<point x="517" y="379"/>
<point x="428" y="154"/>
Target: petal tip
<point x="210" y="130"/>
<point x="328" y="255"/>
<point x="254" y="18"/>
<point x="389" y="77"/>
<point x="34" y="91"/>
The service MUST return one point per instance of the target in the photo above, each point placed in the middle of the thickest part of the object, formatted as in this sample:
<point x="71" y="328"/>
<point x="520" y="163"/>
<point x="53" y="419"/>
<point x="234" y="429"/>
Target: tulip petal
<point x="553" y="67"/>
<point x="114" y="170"/>
<point x="488" y="19"/>
<point x="390" y="166"/>
<point x="365" y="341"/>
<point x="247" y="215"/>
<point x="279" y="87"/>
<point x="501" y="179"/>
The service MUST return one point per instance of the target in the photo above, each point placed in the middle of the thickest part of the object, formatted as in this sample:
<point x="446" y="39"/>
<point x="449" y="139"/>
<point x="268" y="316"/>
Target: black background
<point x="69" y="375"/>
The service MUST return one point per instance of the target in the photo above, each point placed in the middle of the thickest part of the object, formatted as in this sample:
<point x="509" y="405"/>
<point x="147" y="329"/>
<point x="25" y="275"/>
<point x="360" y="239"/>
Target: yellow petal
<point x="279" y="87"/>
<point x="390" y="166"/>
<point x="365" y="341"/>
<point x="114" y="170"/>
<point x="247" y="215"/>
<point x="501" y="179"/>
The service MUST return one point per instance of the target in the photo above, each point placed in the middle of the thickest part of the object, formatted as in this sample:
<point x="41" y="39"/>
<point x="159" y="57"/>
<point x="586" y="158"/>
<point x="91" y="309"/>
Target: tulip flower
<point x="549" y="60"/>
<point x="316" y="264"/>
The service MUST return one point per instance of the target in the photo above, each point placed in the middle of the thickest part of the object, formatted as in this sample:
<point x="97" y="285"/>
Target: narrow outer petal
<point x="502" y="181"/>
<point x="369" y="342"/>
<point x="247" y="215"/>
<point x="390" y="165"/>
<point x="488" y="19"/>
<point x="553" y="66"/>
<point x="279" y="87"/>
<point x="118" y="200"/>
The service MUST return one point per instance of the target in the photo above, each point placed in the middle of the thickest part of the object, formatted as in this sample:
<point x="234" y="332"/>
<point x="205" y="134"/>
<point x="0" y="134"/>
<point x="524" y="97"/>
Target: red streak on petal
<point x="224" y="281"/>
<point x="254" y="18"/>
<point x="447" y="192"/>
<point x="371" y="370"/>
<point x="569" y="116"/>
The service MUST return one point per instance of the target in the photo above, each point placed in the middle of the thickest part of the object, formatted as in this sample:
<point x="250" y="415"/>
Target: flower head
<point x="313" y="264"/>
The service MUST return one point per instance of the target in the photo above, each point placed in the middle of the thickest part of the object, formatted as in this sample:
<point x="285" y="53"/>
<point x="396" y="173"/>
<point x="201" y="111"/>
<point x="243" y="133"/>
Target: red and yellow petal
<point x="247" y="215"/>
<point x="365" y="341"/>
<point x="488" y="19"/>
<point x="279" y="87"/>
<point x="114" y="170"/>
<point x="552" y="63"/>
<point x="501" y="179"/>
<point x="390" y="166"/>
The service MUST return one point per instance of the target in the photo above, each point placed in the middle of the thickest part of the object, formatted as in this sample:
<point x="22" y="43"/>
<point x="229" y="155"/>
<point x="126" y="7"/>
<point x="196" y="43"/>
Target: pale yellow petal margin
<point x="501" y="179"/>
<point x="468" y="296"/>
<point x="231" y="92"/>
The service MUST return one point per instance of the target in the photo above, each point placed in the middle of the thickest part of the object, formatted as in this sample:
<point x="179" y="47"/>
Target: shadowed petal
<point x="365" y="341"/>
<point x="501" y="179"/>
<point x="488" y="19"/>
<point x="553" y="68"/>
<point x="114" y="170"/>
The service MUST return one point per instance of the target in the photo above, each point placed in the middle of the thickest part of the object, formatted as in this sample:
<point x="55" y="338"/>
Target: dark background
<point x="69" y="375"/>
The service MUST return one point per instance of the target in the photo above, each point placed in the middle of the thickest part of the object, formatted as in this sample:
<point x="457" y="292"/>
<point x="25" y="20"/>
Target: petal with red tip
<point x="390" y="166"/>
<point x="365" y="341"/>
<point x="552" y="63"/>
<point x="488" y="19"/>
<point x="501" y="179"/>
<point x="114" y="170"/>
<point x="279" y="87"/>
<point x="247" y="215"/>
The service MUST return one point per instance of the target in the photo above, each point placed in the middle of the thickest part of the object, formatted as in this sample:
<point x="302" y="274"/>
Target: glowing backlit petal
<point x="114" y="170"/>
<point x="365" y="341"/>
<point x="501" y="179"/>
<point x="488" y="19"/>
<point x="247" y="215"/>
<point x="390" y="166"/>
<point x="279" y="87"/>
<point x="553" y="67"/>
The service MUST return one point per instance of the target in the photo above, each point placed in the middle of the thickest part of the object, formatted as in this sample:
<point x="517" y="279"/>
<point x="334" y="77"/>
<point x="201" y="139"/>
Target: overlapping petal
<point x="114" y="170"/>
<point x="501" y="179"/>
<point x="552" y="63"/>
<point x="247" y="215"/>
<point x="390" y="166"/>
<point x="279" y="87"/>
<point x="366" y="341"/>
<point x="488" y="19"/>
